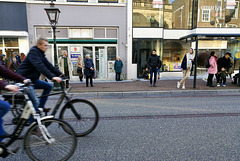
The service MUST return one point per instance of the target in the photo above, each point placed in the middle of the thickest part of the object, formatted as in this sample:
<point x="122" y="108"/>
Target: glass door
<point x="100" y="62"/>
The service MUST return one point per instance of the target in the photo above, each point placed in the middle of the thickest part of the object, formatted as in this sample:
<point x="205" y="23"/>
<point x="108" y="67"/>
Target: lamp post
<point x="53" y="15"/>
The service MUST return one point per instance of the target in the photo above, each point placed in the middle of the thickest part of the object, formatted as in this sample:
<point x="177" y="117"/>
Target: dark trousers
<point x="66" y="73"/>
<point x="87" y="78"/>
<point x="218" y="78"/>
<point x="224" y="80"/>
<point x="153" y="70"/>
<point x="209" y="80"/>
<point x="118" y="76"/>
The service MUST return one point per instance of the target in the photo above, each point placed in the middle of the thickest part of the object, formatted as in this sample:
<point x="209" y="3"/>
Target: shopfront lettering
<point x="211" y="7"/>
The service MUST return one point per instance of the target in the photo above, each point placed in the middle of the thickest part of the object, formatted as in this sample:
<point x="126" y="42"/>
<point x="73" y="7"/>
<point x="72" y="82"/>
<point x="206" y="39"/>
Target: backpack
<point x="207" y="64"/>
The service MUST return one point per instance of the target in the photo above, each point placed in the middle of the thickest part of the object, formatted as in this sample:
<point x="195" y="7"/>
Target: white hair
<point x="87" y="55"/>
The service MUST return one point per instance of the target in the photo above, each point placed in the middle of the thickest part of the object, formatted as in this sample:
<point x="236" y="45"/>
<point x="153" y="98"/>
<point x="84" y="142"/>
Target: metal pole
<point x="195" y="62"/>
<point x="239" y="76"/>
<point x="56" y="86"/>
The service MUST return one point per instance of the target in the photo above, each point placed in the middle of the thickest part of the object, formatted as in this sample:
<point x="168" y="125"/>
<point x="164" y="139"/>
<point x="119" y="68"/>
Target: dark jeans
<point x="47" y="87"/>
<point x="4" y="108"/>
<point x="118" y="76"/>
<point x="153" y="70"/>
<point x="224" y="80"/>
<point x="89" y="77"/>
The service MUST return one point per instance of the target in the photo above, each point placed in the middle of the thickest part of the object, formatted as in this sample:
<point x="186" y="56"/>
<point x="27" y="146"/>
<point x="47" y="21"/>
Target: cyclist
<point x="35" y="64"/>
<point x="5" y="106"/>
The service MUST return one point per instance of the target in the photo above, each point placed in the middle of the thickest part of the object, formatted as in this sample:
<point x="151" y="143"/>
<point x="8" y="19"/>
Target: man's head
<point x="64" y="52"/>
<point x="154" y="52"/>
<point x="42" y="44"/>
<point x="227" y="55"/>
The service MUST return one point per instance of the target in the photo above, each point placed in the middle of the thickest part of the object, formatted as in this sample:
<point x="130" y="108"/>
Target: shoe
<point x="183" y="87"/>
<point x="224" y="85"/>
<point x="44" y="109"/>
<point x="218" y="85"/>
<point x="150" y="85"/>
<point x="154" y="85"/>
<point x="92" y="86"/>
<point x="178" y="84"/>
<point x="207" y="84"/>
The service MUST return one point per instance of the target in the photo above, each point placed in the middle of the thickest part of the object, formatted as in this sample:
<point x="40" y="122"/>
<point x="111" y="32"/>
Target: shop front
<point x="103" y="56"/>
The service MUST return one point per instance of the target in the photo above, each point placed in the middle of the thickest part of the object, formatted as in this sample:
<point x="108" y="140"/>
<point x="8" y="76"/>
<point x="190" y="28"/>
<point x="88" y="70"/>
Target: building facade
<point x="172" y="27"/>
<point x="95" y="27"/>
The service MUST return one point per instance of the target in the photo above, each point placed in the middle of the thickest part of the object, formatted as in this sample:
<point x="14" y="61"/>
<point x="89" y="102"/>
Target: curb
<point x="149" y="94"/>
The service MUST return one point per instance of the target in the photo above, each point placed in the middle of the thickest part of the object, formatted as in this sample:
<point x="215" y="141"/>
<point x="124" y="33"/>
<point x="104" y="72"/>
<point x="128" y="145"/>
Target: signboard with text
<point x="157" y="4"/>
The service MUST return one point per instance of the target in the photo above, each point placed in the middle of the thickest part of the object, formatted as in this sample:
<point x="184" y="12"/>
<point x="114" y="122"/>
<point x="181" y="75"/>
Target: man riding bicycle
<point x="35" y="64"/>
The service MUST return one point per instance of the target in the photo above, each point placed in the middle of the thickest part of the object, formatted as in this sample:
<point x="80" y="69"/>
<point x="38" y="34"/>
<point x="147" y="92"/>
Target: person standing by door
<point x="88" y="69"/>
<point x="65" y="66"/>
<point x="186" y="67"/>
<point x="212" y="70"/>
<point x="80" y="66"/>
<point x="154" y="64"/>
<point x="118" y="65"/>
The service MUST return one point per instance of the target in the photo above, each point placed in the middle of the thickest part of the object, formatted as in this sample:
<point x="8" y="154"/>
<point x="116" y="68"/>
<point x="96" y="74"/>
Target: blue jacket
<point x="118" y="65"/>
<point x="36" y="63"/>
<point x="88" y="63"/>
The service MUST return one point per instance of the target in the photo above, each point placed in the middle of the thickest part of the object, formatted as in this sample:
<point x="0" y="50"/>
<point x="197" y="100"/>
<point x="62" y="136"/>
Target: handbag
<point x="79" y="70"/>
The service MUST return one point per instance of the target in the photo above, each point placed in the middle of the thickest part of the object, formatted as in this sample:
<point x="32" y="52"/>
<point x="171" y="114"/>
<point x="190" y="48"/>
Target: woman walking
<point x="88" y="69"/>
<point x="118" y="65"/>
<point x="212" y="70"/>
<point x="80" y="66"/>
<point x="186" y="67"/>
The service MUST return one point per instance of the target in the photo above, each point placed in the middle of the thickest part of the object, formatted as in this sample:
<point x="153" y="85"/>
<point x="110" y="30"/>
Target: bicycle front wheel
<point x="83" y="117"/>
<point x="63" y="143"/>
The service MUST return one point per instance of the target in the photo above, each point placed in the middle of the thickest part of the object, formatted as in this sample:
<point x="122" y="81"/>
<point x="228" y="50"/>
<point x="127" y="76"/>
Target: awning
<point x="210" y="35"/>
<point x="86" y="41"/>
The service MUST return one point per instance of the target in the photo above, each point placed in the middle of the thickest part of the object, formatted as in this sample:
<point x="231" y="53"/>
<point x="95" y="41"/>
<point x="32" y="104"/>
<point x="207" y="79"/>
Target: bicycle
<point x="45" y="139"/>
<point x="81" y="114"/>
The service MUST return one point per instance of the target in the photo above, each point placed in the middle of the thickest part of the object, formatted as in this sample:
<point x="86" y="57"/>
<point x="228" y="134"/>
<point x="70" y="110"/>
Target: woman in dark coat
<point x="118" y="65"/>
<point x="88" y="69"/>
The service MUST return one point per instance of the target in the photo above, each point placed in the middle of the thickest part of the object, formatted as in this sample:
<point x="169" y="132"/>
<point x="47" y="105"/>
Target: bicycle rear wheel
<point x="88" y="116"/>
<point x="61" y="149"/>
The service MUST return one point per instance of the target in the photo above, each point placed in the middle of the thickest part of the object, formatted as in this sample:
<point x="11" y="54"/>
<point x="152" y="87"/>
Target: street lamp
<point x="53" y="15"/>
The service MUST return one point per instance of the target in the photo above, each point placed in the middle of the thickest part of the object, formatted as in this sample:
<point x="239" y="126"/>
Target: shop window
<point x="80" y="33"/>
<point x="205" y="15"/>
<point x="111" y="53"/>
<point x="11" y="42"/>
<point x="190" y="19"/>
<point x="235" y="15"/>
<point x="219" y="9"/>
<point x="1" y="42"/>
<point x="111" y="33"/>
<point x="99" y="32"/>
<point x="107" y="1"/>
<point x="44" y="32"/>
<point x="98" y="64"/>
<point x="146" y="14"/>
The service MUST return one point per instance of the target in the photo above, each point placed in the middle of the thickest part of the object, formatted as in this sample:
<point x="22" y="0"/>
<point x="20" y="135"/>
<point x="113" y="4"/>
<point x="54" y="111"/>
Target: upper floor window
<point x="206" y="15"/>
<point x="107" y="1"/>
<point x="77" y="0"/>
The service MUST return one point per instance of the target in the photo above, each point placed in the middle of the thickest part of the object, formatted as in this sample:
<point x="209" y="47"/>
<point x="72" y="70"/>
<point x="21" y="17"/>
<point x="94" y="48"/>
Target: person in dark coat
<point x="118" y="65"/>
<point x="223" y="62"/>
<point x="5" y="106"/>
<point x="88" y="69"/>
<point x="35" y="64"/>
<point x="154" y="64"/>
<point x="2" y="60"/>
<point x="14" y="65"/>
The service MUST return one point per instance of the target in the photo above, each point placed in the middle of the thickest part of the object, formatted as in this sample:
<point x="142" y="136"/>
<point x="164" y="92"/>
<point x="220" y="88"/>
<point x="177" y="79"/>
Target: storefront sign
<point x="157" y="4"/>
<point x="75" y="49"/>
<point x="211" y="7"/>
<point x="230" y="4"/>
<point x="74" y="57"/>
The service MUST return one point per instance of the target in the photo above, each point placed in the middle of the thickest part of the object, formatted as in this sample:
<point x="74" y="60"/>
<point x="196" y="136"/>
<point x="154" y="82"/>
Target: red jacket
<point x="6" y="73"/>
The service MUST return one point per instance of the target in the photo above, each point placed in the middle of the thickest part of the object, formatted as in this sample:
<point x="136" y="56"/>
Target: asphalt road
<point x="156" y="129"/>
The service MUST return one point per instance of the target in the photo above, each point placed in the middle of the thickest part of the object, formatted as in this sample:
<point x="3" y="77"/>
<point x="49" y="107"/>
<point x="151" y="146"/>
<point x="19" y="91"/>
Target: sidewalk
<point x="140" y="88"/>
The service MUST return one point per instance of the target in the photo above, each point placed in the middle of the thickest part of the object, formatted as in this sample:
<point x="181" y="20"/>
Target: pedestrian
<point x="65" y="66"/>
<point x="88" y="69"/>
<point x="118" y="65"/>
<point x="22" y="57"/>
<point x="231" y="67"/>
<point x="14" y="65"/>
<point x="5" y="106"/>
<point x="223" y="62"/>
<point x="154" y="64"/>
<point x="35" y="64"/>
<point x="212" y="70"/>
<point x="186" y="67"/>
<point x="17" y="57"/>
<point x="80" y="66"/>
<point x="223" y="75"/>
<point x="2" y="60"/>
